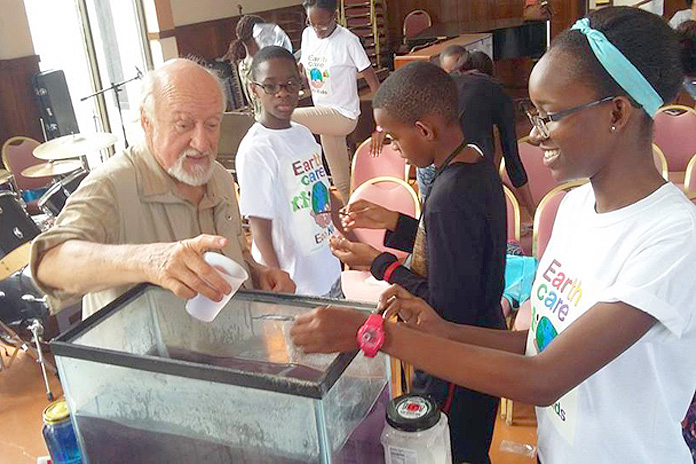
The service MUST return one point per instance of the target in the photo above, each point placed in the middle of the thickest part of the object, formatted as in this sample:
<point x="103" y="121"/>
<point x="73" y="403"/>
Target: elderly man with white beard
<point x="151" y="211"/>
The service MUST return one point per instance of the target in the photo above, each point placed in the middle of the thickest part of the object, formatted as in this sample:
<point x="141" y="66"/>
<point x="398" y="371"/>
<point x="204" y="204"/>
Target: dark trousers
<point x="471" y="418"/>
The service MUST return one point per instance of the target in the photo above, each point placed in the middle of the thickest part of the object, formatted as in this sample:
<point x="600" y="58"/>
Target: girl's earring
<point x="613" y="128"/>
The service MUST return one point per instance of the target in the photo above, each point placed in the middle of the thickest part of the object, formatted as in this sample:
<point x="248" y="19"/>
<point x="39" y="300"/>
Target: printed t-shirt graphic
<point x="307" y="185"/>
<point x="556" y="299"/>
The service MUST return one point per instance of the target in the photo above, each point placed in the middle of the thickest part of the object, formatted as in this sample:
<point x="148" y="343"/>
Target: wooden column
<point x="19" y="111"/>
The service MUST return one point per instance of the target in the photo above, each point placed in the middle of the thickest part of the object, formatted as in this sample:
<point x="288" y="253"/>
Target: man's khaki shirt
<point x="132" y="200"/>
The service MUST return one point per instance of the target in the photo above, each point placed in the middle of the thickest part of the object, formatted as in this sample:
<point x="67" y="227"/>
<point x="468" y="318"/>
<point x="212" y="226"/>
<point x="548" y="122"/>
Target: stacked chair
<point x="368" y="20"/>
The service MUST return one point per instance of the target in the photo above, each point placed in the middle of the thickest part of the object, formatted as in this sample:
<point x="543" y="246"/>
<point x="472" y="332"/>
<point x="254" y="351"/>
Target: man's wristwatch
<point x="371" y="335"/>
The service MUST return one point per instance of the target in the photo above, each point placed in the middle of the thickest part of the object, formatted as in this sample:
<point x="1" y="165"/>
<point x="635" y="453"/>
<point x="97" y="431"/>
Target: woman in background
<point x="253" y="34"/>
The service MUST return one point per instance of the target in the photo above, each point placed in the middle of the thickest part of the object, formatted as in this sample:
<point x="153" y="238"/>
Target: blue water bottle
<point x="59" y="434"/>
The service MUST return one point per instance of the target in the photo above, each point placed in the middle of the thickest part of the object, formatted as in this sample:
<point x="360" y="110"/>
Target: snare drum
<point x="53" y="201"/>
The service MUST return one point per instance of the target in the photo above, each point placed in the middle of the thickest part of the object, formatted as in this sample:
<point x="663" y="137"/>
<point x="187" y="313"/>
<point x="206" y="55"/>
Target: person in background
<point x="656" y="7"/>
<point x="681" y="15"/>
<point x="481" y="62"/>
<point x="458" y="246"/>
<point x="332" y="59"/>
<point x="687" y="52"/>
<point x="151" y="211"/>
<point x="609" y="357"/>
<point x="253" y="33"/>
<point x="283" y="184"/>
<point x="483" y="104"/>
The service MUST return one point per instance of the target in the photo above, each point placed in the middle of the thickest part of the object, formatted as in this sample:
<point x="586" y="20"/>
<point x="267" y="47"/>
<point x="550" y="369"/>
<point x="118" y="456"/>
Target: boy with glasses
<point x="284" y="186"/>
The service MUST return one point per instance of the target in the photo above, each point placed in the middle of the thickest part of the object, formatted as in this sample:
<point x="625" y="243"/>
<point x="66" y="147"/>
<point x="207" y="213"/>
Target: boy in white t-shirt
<point x="284" y="186"/>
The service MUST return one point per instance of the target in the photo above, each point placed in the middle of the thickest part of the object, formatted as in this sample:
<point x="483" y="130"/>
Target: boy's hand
<point x="328" y="330"/>
<point x="376" y="143"/>
<point x="363" y="214"/>
<point x="272" y="279"/>
<point x="412" y="311"/>
<point x="357" y="256"/>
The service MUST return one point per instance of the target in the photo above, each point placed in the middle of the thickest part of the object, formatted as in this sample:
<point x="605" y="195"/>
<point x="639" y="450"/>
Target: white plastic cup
<point x="202" y="307"/>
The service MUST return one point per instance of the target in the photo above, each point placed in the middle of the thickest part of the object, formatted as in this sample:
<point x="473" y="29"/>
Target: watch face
<point x="369" y="336"/>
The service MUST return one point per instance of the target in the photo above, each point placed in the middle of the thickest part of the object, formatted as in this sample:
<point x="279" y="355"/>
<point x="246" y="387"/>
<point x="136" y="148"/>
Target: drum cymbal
<point x="52" y="168"/>
<point x="4" y="176"/>
<point x="71" y="146"/>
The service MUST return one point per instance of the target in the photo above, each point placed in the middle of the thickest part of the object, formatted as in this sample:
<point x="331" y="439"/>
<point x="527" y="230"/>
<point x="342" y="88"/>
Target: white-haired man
<point x="150" y="212"/>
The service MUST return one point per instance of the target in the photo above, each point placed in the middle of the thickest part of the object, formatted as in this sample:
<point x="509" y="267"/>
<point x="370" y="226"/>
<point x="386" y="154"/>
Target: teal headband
<point x="620" y="68"/>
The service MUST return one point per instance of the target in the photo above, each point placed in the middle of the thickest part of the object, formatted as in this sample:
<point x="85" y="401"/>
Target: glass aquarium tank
<point x="148" y="383"/>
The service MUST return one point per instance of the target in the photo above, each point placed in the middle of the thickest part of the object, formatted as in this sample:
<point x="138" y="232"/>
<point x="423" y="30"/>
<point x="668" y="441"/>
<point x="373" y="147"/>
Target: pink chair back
<point x="17" y="155"/>
<point x="416" y="22"/>
<point x="512" y="207"/>
<point x="546" y="215"/>
<point x="394" y="194"/>
<point x="690" y="178"/>
<point x="675" y="134"/>
<point x="539" y="176"/>
<point x="365" y="166"/>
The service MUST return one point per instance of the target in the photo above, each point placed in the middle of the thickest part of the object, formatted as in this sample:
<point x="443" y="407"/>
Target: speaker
<point x="56" y="108"/>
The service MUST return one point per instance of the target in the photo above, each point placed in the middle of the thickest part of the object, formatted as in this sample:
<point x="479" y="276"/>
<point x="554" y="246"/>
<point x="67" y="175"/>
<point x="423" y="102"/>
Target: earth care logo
<point x="315" y="197"/>
<point x="318" y="74"/>
<point x="558" y="293"/>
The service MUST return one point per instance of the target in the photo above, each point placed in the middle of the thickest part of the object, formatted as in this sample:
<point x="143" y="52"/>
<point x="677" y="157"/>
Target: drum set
<point x="23" y="309"/>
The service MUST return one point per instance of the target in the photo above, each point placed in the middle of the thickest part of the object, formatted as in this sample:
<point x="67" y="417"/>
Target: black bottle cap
<point x="412" y="413"/>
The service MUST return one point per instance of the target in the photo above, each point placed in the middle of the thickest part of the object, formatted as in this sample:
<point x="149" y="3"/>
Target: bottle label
<point x="398" y="455"/>
<point x="413" y="408"/>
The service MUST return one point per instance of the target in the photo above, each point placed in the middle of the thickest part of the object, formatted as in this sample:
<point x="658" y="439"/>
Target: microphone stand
<point x="116" y="87"/>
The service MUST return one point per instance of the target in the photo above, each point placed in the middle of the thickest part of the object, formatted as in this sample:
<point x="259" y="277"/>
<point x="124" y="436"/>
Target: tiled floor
<point x="23" y="398"/>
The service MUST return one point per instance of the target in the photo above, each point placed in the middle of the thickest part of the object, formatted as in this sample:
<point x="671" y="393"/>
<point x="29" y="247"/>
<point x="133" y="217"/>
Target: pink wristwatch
<point x="371" y="335"/>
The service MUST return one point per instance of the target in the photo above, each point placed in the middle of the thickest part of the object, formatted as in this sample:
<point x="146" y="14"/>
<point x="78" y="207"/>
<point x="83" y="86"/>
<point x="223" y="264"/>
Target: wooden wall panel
<point x="19" y="111"/>
<point x="451" y="10"/>
<point x="566" y="12"/>
<point x="672" y="6"/>
<point x="477" y="10"/>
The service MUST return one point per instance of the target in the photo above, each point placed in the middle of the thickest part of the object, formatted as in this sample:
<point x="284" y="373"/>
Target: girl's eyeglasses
<point x="541" y="122"/>
<point x="320" y="28"/>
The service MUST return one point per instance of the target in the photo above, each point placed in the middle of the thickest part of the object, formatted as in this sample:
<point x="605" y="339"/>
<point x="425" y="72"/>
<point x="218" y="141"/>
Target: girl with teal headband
<point x="609" y="357"/>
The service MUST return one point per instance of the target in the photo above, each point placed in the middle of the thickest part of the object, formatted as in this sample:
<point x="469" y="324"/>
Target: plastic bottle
<point x="416" y="432"/>
<point x="59" y="434"/>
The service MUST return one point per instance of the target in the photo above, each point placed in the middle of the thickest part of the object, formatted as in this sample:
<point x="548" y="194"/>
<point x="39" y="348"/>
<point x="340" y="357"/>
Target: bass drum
<point x="53" y="201"/>
<point x="17" y="230"/>
<point x="21" y="302"/>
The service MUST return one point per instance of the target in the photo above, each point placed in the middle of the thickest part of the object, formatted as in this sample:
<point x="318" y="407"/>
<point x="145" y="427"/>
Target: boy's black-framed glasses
<point x="541" y="122"/>
<point x="293" y="85"/>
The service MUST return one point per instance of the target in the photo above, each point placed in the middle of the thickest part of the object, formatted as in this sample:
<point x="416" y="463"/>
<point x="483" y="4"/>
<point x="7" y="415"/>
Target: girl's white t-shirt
<point x="332" y="66"/>
<point x="645" y="256"/>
